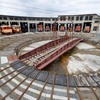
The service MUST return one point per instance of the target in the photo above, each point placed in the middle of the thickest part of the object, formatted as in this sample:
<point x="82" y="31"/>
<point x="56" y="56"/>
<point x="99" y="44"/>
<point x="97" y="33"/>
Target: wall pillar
<point x="36" y="26"/>
<point x="28" y="26"/>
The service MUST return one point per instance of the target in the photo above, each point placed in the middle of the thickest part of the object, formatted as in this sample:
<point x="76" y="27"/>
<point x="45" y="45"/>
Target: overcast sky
<point x="50" y="8"/>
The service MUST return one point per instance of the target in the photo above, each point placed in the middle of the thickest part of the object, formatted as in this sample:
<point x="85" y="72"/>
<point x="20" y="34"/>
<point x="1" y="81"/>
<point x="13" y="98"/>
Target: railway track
<point x="35" y="59"/>
<point x="41" y="59"/>
<point x="21" y="81"/>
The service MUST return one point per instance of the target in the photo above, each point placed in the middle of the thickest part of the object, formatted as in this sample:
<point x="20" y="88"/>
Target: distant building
<point x="82" y="22"/>
<point x="77" y="23"/>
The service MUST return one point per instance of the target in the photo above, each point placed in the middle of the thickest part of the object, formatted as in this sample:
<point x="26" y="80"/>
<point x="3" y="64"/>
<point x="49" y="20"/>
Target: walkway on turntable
<point x="47" y="53"/>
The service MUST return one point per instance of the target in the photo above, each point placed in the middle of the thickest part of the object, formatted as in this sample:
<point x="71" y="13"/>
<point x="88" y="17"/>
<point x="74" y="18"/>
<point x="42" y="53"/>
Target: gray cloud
<point x="48" y="7"/>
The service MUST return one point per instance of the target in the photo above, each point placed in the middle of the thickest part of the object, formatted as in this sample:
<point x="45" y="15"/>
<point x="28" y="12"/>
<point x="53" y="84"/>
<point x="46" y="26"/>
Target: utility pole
<point x="98" y="30"/>
<point x="54" y="28"/>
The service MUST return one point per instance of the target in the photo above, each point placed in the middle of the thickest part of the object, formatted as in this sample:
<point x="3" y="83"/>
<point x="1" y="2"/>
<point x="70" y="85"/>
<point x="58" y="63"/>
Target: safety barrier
<point x="52" y="56"/>
<point x="44" y="47"/>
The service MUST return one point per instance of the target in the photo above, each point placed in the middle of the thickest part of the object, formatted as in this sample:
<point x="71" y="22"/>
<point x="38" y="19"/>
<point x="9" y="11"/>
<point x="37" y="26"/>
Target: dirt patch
<point x="60" y="64"/>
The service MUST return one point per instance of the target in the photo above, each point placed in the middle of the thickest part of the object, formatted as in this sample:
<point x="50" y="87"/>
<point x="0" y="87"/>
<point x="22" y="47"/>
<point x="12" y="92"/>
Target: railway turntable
<point x="23" y="79"/>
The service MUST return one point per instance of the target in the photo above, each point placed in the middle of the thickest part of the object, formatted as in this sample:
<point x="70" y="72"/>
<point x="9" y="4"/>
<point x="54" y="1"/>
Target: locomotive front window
<point x="8" y="28"/>
<point x="4" y="28"/>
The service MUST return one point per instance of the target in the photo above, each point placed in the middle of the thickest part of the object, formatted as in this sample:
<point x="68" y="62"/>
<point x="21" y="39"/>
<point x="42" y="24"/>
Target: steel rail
<point x="7" y="74"/>
<point x="78" y="91"/>
<point x="38" y="98"/>
<point x="54" y="55"/>
<point x="20" y="71"/>
<point x="51" y="43"/>
<point x="68" y="94"/>
<point x="4" y="69"/>
<point x="92" y="88"/>
<point x="96" y="82"/>
<point x="19" y="98"/>
<point x="52" y="92"/>
<point x="11" y="72"/>
<point x="17" y="86"/>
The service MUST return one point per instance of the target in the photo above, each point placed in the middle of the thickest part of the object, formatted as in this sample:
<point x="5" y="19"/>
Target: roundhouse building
<point x="82" y="23"/>
<point x="79" y="23"/>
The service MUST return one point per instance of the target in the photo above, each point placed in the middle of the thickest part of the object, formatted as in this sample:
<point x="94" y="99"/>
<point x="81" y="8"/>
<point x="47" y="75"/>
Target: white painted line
<point x="33" y="91"/>
<point x="43" y="94"/>
<point x="15" y="73"/>
<point x="9" y="76"/>
<point x="5" y="66"/>
<point x="10" y="86"/>
<point x="15" y="81"/>
<point x="4" y="60"/>
<point x="5" y="72"/>
<point x="21" y="77"/>
<point x="49" y="88"/>
<point x="0" y="75"/>
<point x="3" y="94"/>
<point x="64" y="90"/>
<point x="27" y="81"/>
<point x="16" y="91"/>
<point x="60" y="97"/>
<point x="21" y="67"/>
<point x="39" y="85"/>
<point x="3" y="80"/>
<point x="2" y="67"/>
<point x="11" y="69"/>
<point x="29" y="97"/>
